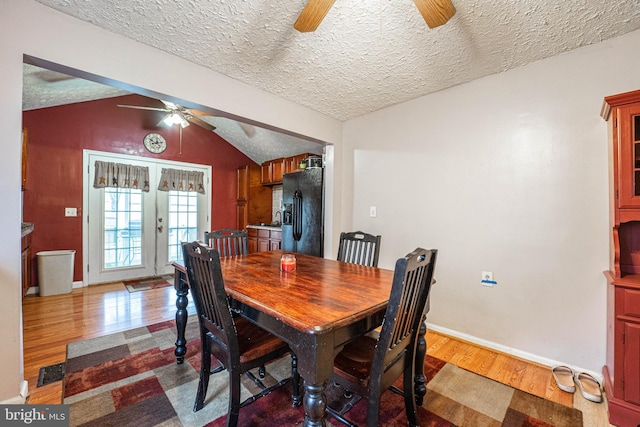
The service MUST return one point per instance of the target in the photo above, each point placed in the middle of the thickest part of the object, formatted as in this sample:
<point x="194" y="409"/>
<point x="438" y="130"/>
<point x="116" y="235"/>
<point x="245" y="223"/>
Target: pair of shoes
<point x="589" y="387"/>
<point x="564" y="378"/>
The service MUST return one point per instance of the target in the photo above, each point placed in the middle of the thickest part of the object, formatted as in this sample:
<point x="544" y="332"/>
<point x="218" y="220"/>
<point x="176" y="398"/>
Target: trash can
<point x="55" y="272"/>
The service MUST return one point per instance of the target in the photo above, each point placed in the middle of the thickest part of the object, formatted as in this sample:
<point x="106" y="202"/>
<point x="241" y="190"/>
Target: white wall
<point x="38" y="31"/>
<point x="507" y="174"/>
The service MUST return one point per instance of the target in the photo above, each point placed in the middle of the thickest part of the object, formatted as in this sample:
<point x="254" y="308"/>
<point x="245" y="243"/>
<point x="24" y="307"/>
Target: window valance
<point x="121" y="175"/>
<point x="181" y="180"/>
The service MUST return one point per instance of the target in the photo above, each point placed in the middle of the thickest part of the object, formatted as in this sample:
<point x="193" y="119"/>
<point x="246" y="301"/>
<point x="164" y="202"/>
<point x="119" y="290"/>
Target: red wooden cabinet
<point x="253" y="203"/>
<point x="272" y="171"/>
<point x="622" y="371"/>
<point x="263" y="239"/>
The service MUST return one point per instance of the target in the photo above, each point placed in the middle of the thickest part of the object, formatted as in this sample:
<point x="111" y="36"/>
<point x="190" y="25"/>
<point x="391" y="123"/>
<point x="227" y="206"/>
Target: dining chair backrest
<point x="228" y="242"/>
<point x="412" y="280"/>
<point x="209" y="296"/>
<point x="237" y="344"/>
<point x="359" y="248"/>
<point x="371" y="363"/>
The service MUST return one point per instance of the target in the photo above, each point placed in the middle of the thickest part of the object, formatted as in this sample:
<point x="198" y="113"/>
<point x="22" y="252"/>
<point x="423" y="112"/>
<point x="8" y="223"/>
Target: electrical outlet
<point x="372" y="211"/>
<point x="70" y="211"/>
<point x="487" y="279"/>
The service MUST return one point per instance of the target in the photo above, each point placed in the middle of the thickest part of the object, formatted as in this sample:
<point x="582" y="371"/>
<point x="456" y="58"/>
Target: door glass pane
<point x="122" y="228"/>
<point x="183" y="221"/>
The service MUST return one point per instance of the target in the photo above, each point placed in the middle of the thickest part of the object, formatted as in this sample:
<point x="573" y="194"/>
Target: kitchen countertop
<point x="27" y="228"/>
<point x="265" y="227"/>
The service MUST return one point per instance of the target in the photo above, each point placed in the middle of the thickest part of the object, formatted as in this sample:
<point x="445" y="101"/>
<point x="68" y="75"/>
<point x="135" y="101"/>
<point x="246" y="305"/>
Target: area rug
<point x="133" y="378"/>
<point x="147" y="283"/>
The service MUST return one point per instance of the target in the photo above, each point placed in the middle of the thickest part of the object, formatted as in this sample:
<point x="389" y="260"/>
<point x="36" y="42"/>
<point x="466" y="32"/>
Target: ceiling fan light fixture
<point x="175" y="119"/>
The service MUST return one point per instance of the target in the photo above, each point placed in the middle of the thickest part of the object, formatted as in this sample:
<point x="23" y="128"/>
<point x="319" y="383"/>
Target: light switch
<point x="372" y="211"/>
<point x="70" y="211"/>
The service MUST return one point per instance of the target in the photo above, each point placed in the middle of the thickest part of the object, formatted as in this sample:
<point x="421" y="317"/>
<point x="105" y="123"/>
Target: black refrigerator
<point x="303" y="212"/>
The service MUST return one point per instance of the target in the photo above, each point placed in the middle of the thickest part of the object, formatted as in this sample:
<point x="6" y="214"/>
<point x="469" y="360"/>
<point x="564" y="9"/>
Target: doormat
<point x="50" y="374"/>
<point x="147" y="283"/>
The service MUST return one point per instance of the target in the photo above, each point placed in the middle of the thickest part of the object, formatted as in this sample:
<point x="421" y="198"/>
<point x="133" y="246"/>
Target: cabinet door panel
<point x="632" y="363"/>
<point x="252" y="244"/>
<point x="266" y="173"/>
<point x="629" y="139"/>
<point x="263" y="245"/>
<point x="243" y="183"/>
<point x="277" y="170"/>
<point x="274" y="245"/>
<point x="242" y="215"/>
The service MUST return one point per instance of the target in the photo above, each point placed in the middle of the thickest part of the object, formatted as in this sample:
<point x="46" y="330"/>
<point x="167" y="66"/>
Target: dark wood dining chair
<point x="370" y="364"/>
<point x="238" y="344"/>
<point x="359" y="248"/>
<point x="228" y="242"/>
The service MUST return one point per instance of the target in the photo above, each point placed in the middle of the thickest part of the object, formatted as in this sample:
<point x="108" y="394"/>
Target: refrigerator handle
<point x="297" y="215"/>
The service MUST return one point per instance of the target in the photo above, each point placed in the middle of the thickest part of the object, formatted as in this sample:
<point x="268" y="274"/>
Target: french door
<point x="130" y="233"/>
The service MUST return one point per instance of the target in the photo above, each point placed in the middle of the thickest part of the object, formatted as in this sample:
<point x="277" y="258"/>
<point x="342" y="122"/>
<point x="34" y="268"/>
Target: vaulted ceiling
<point x="365" y="55"/>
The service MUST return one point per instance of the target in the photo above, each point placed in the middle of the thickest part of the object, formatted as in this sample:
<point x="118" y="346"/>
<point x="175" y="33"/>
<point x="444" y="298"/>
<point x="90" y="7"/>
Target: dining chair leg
<point x="234" y="399"/>
<point x="295" y="381"/>
<point x="410" y="396"/>
<point x="203" y="384"/>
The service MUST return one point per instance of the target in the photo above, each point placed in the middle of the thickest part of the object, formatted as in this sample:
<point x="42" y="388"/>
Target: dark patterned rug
<point x="132" y="378"/>
<point x="147" y="283"/>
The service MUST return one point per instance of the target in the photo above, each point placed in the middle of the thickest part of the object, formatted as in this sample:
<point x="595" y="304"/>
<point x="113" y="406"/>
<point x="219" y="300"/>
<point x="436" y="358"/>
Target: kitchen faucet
<point x="278" y="216"/>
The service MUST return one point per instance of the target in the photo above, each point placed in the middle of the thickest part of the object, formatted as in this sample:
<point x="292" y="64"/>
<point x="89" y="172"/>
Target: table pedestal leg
<point x="420" y="387"/>
<point x="181" y="316"/>
<point x="314" y="404"/>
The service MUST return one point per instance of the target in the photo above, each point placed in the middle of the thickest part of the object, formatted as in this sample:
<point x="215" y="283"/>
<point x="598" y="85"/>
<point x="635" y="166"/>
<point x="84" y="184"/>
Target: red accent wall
<point x="57" y="137"/>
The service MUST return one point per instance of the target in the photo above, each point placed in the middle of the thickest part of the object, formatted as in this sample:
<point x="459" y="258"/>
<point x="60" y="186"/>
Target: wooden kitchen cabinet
<point x="272" y="171"/>
<point x="253" y="203"/>
<point x="622" y="370"/>
<point x="293" y="163"/>
<point x="26" y="264"/>
<point x="263" y="239"/>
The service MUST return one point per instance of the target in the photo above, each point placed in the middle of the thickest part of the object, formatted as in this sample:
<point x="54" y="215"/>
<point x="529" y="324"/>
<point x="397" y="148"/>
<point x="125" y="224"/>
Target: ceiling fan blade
<point x="170" y="105"/>
<point x="312" y="15"/>
<point x="198" y="112"/>
<point x="435" y="12"/>
<point x="248" y="129"/>
<point x="144" y="108"/>
<point x="196" y="121"/>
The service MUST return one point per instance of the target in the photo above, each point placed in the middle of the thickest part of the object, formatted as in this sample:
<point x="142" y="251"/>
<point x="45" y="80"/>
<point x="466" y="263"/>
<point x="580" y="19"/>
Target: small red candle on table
<point x="288" y="262"/>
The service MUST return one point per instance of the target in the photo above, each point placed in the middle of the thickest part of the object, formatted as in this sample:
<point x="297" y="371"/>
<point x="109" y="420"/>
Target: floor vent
<point x="49" y="374"/>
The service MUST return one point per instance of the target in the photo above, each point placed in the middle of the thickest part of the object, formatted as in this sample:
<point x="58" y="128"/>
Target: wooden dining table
<point x="316" y="310"/>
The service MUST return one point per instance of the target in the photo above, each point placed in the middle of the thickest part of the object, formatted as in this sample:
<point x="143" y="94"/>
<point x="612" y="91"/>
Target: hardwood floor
<point x="51" y="322"/>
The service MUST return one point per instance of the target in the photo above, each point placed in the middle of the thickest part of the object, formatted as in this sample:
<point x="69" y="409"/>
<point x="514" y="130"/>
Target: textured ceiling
<point x="365" y="55"/>
<point x="43" y="88"/>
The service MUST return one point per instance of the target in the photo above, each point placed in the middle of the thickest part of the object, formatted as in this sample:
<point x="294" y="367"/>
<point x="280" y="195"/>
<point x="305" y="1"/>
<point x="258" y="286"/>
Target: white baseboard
<point x="509" y="350"/>
<point x="36" y="289"/>
<point x="24" y="389"/>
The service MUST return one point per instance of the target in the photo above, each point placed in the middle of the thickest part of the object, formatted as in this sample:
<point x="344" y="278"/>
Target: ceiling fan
<point x="178" y="115"/>
<point x="434" y="12"/>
